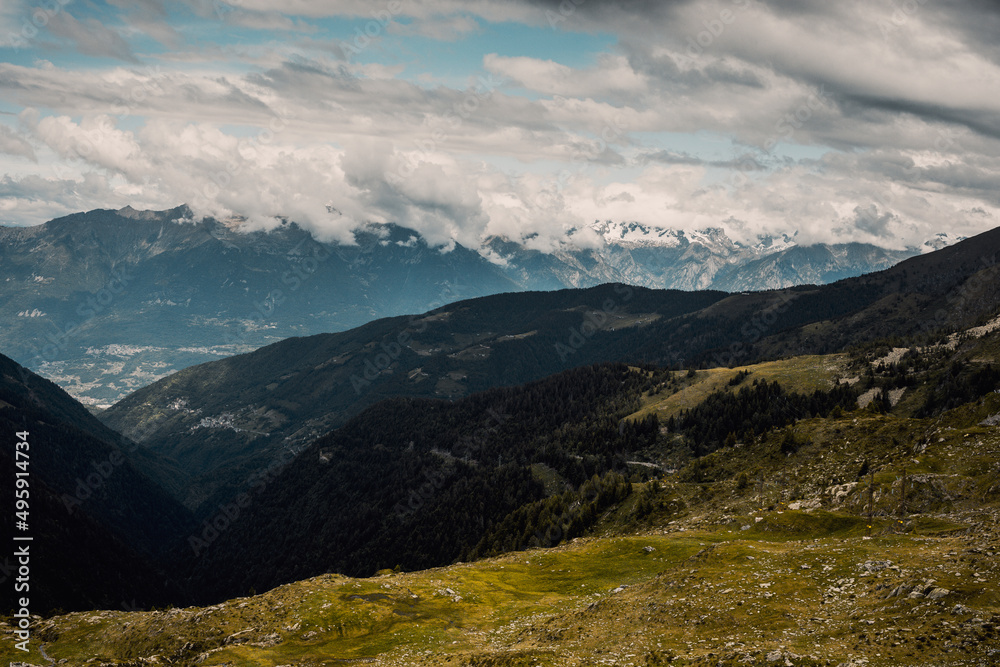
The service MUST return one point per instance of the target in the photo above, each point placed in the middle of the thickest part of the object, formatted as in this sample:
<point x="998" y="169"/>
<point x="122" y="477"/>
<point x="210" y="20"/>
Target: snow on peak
<point x="941" y="240"/>
<point x="636" y="234"/>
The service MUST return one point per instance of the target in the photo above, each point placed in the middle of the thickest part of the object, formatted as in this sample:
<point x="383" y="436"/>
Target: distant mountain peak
<point x="176" y="214"/>
<point x="772" y="243"/>
<point x="637" y="234"/>
<point x="940" y="240"/>
<point x="206" y="283"/>
<point x="129" y="212"/>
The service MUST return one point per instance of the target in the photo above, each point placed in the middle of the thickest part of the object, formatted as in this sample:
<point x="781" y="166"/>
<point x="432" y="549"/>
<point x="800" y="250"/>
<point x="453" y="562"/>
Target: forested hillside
<point x="223" y="422"/>
<point x="103" y="533"/>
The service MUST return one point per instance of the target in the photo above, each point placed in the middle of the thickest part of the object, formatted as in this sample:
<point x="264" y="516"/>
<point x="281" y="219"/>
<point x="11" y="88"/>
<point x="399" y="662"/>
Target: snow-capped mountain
<point x="941" y="240"/>
<point x="105" y="302"/>
<point x="636" y="235"/>
<point x="668" y="258"/>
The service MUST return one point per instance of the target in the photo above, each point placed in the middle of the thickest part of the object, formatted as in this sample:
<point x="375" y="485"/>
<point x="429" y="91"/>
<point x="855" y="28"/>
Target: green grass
<point x="702" y="583"/>
<point x="799" y="374"/>
<point x="715" y="574"/>
<point x="553" y="481"/>
<point x="773" y="575"/>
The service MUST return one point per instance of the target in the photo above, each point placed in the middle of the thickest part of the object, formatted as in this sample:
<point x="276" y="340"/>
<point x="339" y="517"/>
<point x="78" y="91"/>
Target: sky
<point x="858" y="120"/>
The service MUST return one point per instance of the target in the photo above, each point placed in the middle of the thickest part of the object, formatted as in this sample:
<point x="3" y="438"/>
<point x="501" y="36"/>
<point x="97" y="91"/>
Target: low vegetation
<point x="871" y="539"/>
<point x="839" y="510"/>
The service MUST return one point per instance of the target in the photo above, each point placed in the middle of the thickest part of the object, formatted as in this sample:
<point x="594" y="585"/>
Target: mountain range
<point x="664" y="258"/>
<point x="700" y="435"/>
<point x="223" y="422"/>
<point x="105" y="302"/>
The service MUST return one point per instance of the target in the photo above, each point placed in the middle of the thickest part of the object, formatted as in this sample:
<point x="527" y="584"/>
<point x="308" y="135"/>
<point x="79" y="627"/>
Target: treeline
<point x="945" y="382"/>
<point x="548" y="522"/>
<point x="958" y="385"/>
<point x="752" y="411"/>
<point x="417" y="483"/>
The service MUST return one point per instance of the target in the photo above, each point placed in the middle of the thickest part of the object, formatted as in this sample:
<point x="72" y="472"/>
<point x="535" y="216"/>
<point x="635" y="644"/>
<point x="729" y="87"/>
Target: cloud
<point x="746" y="162"/>
<point x="441" y="29"/>
<point x="610" y="77"/>
<point x="433" y="194"/>
<point x="149" y="17"/>
<point x="12" y="143"/>
<point x="89" y="36"/>
<point x="95" y="140"/>
<point x="874" y="221"/>
<point x="840" y="121"/>
<point x="35" y="199"/>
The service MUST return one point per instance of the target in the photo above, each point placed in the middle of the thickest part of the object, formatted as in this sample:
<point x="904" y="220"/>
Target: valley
<point x="692" y="582"/>
<point x="249" y="407"/>
<point x="523" y="333"/>
<point x="187" y="292"/>
<point x="615" y="475"/>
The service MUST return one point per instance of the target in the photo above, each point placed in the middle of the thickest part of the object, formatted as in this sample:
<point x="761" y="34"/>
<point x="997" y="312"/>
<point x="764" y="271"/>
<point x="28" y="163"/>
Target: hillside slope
<point x="417" y="483"/>
<point x="683" y="573"/>
<point x="226" y="420"/>
<point x="102" y="531"/>
<point x="107" y="301"/>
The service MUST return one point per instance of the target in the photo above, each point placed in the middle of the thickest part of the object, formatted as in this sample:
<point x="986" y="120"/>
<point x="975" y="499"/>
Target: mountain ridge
<point x="667" y="258"/>
<point x="224" y="419"/>
<point x="102" y="531"/>
<point x="161" y="275"/>
<point x="653" y="467"/>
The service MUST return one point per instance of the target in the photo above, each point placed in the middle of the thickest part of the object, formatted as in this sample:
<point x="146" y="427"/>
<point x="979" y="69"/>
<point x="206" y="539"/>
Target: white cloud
<point x="89" y="36"/>
<point x="901" y="124"/>
<point x="95" y="140"/>
<point x="14" y="143"/>
<point x="611" y="76"/>
<point x="438" y="28"/>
